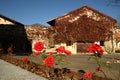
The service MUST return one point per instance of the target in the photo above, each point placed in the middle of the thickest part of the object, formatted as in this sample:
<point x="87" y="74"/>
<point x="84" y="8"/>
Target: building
<point x="20" y="37"/>
<point x="75" y="30"/>
<point x="12" y="34"/>
<point x="82" y="26"/>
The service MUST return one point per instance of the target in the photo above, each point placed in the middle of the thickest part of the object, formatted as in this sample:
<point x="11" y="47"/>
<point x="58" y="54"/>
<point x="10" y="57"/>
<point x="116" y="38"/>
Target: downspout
<point x="112" y="40"/>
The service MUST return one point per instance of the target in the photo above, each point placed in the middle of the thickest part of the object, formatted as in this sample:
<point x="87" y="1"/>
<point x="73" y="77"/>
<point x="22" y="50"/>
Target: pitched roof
<point x="11" y="20"/>
<point x="76" y="11"/>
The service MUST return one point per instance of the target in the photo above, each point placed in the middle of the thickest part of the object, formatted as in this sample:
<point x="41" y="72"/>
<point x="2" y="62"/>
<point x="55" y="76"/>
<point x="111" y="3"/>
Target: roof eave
<point x="11" y="20"/>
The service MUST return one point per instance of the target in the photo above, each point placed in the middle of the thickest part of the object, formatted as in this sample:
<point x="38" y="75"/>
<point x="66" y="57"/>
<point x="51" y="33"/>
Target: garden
<point x="48" y="66"/>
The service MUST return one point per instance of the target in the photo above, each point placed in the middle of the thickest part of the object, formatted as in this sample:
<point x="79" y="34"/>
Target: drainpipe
<point x="112" y="41"/>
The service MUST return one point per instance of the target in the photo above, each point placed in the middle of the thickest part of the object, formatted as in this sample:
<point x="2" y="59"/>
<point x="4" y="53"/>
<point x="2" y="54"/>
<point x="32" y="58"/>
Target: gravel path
<point x="12" y="72"/>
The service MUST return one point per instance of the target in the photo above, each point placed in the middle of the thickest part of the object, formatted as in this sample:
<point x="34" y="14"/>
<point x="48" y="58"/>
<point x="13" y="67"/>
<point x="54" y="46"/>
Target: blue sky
<point x="40" y="11"/>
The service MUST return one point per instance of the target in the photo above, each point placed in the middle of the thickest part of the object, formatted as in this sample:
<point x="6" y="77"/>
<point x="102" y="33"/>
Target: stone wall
<point x="37" y="33"/>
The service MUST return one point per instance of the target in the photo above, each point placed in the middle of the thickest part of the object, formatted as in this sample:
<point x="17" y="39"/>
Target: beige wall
<point x="108" y="46"/>
<point x="3" y="21"/>
<point x="73" y="48"/>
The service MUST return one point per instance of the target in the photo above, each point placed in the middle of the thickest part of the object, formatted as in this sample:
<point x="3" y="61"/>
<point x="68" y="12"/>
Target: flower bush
<point x="96" y="49"/>
<point x="24" y="59"/>
<point x="10" y="50"/>
<point x="49" y="59"/>
<point x="88" y="74"/>
<point x="97" y="54"/>
<point x="39" y="46"/>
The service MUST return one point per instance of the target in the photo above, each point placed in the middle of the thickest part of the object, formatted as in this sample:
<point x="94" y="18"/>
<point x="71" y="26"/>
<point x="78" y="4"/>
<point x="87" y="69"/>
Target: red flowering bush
<point x="97" y="54"/>
<point x="10" y="50"/>
<point x="39" y="46"/>
<point x="99" y="69"/>
<point x="49" y="58"/>
<point x="51" y="53"/>
<point x="67" y="52"/>
<point x="49" y="61"/>
<point x="24" y="59"/>
<point x="61" y="49"/>
<point x="88" y="74"/>
<point x="36" y="53"/>
<point x="96" y="49"/>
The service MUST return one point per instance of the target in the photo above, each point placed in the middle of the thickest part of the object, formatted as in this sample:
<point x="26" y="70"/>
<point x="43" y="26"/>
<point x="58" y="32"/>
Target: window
<point x="69" y="43"/>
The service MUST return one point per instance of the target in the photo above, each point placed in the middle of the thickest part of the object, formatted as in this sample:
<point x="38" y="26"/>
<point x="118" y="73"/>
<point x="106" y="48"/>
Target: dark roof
<point x="51" y="22"/>
<point x="18" y="23"/>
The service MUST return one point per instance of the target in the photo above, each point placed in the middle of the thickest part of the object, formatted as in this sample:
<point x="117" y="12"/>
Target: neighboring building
<point x="20" y="37"/>
<point x="12" y="34"/>
<point x="80" y="27"/>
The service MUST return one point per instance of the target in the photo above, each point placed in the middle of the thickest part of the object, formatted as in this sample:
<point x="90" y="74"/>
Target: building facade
<point x="82" y="26"/>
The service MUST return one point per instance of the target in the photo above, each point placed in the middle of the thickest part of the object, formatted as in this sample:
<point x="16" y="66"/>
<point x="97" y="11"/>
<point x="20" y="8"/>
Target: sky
<point x="30" y="12"/>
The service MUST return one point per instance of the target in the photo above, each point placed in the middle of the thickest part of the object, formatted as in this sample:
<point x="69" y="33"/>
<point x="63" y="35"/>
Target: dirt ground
<point x="81" y="62"/>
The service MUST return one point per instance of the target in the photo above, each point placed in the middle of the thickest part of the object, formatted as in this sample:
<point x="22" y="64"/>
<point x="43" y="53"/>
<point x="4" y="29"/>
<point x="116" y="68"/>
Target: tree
<point x="114" y="3"/>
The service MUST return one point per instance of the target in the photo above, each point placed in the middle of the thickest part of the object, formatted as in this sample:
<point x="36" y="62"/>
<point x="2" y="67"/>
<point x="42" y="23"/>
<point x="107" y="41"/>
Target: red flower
<point x="87" y="74"/>
<point x="98" y="70"/>
<point x="24" y="59"/>
<point x="67" y="52"/>
<point x="51" y="53"/>
<point x="61" y="49"/>
<point x="36" y="53"/>
<point x="95" y="48"/>
<point x="38" y="46"/>
<point x="100" y="50"/>
<point x="49" y="61"/>
<point x="10" y="50"/>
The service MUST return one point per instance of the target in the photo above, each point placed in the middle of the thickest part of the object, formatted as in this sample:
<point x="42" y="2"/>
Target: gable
<point x="91" y="13"/>
<point x="88" y="13"/>
<point x="9" y="27"/>
<point x="7" y="21"/>
<point x="75" y="15"/>
<point x="4" y="21"/>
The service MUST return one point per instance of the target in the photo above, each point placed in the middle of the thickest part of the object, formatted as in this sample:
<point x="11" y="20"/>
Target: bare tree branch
<point x="114" y="3"/>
